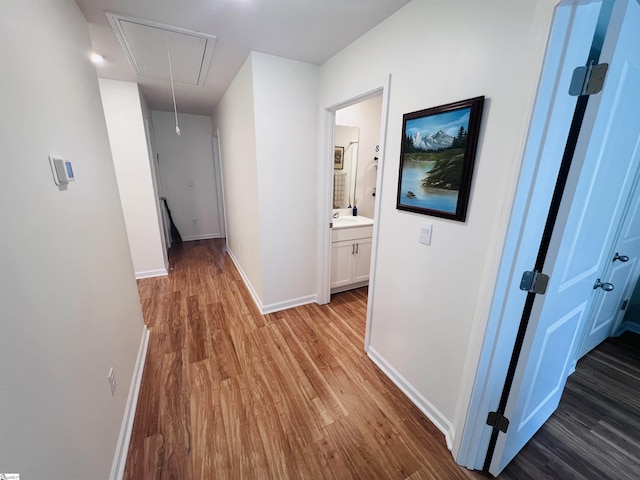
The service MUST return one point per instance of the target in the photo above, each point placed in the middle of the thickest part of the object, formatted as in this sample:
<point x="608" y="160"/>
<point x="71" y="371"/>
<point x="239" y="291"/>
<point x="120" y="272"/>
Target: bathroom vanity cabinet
<point x="350" y="257"/>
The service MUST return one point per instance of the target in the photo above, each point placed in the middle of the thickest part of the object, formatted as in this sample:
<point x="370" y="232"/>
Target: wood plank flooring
<point x="228" y="393"/>
<point x="595" y="433"/>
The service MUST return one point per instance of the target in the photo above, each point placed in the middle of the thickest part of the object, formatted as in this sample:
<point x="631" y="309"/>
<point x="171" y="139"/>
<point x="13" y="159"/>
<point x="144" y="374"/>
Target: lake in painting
<point x="413" y="174"/>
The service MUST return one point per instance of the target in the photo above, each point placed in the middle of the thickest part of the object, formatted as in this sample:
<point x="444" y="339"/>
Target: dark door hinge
<point x="534" y="282"/>
<point x="499" y="421"/>
<point x="588" y="80"/>
<point x="624" y="305"/>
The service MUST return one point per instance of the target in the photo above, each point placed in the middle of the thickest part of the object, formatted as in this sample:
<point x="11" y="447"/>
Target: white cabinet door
<point x="342" y="259"/>
<point x="362" y="264"/>
<point x="350" y="263"/>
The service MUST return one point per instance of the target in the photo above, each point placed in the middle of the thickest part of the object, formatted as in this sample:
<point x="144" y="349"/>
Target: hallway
<point x="229" y="393"/>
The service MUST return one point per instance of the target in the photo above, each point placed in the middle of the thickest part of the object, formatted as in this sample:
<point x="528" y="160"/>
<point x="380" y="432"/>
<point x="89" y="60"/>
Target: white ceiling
<point x="306" y="30"/>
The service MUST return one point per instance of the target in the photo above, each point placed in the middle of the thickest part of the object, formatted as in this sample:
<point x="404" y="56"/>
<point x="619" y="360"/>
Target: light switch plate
<point x="425" y="233"/>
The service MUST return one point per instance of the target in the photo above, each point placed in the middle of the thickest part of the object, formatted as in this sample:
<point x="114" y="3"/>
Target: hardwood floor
<point x="230" y="393"/>
<point x="595" y="433"/>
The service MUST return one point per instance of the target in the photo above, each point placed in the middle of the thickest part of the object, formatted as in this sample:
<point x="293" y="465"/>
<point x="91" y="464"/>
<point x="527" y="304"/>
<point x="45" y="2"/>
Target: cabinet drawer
<point x="353" y="233"/>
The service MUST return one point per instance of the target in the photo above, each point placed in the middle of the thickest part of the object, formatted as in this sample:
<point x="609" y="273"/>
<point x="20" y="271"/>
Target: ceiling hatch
<point x="149" y="45"/>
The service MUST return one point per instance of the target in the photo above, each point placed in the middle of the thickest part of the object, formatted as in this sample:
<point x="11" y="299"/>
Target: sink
<point x="347" y="221"/>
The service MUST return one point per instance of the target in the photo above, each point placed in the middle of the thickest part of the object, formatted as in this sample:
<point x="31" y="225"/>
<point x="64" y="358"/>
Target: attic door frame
<point x="529" y="212"/>
<point x="325" y="195"/>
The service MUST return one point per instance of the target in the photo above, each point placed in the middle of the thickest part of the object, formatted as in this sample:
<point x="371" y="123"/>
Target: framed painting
<point x="437" y="158"/>
<point x="338" y="158"/>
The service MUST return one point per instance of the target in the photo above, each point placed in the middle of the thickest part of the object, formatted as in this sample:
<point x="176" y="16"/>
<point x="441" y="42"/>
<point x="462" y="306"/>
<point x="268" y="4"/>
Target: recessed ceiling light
<point x="96" y="58"/>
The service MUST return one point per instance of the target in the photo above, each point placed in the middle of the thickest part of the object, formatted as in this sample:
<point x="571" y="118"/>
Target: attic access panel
<point x="146" y="44"/>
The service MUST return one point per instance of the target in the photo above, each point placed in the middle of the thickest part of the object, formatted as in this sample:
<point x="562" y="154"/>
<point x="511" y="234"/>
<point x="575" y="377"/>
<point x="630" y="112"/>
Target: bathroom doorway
<point x="352" y="169"/>
<point x="355" y="175"/>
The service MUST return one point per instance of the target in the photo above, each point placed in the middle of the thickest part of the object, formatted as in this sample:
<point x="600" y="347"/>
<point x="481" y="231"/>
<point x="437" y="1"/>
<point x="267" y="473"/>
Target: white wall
<point x="365" y="115"/>
<point x="272" y="107"/>
<point x="431" y="303"/>
<point x="285" y="101"/>
<point x="125" y="123"/>
<point x="235" y="120"/>
<point x="69" y="308"/>
<point x="187" y="173"/>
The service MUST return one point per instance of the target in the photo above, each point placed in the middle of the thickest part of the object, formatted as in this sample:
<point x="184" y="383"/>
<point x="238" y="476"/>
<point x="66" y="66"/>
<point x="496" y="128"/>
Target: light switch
<point x="425" y="233"/>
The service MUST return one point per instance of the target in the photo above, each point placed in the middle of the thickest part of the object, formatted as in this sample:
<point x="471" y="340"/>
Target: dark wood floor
<point x="229" y="393"/>
<point x="595" y="433"/>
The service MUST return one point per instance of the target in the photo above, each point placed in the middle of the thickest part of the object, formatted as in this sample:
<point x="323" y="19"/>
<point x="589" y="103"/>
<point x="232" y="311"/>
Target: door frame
<point x="546" y="141"/>
<point x="325" y="192"/>
<point x="165" y="237"/>
<point x="217" y="169"/>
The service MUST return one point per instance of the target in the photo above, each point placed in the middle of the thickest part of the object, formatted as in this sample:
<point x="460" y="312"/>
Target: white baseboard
<point x="432" y="413"/>
<point x="205" y="236"/>
<point x="627" y="326"/>
<point x="152" y="273"/>
<point x="120" y="459"/>
<point x="245" y="279"/>
<point x="272" y="307"/>
<point x="295" y="302"/>
<point x="351" y="286"/>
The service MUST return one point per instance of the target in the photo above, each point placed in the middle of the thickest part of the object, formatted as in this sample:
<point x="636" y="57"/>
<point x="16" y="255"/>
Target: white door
<point x="622" y="272"/>
<point x="588" y="221"/>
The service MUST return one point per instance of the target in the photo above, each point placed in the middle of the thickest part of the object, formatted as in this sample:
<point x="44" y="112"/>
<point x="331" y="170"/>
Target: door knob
<point x="607" y="287"/>
<point x="622" y="258"/>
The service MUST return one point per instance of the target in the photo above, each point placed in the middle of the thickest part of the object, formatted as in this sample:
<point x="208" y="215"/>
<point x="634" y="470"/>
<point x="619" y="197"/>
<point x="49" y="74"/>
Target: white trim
<point x="425" y="406"/>
<point x="272" y="307"/>
<point x="627" y="326"/>
<point x="120" y="458"/>
<point x="217" y="170"/>
<point x="160" y="272"/>
<point x="204" y="236"/>
<point x="384" y="115"/>
<point x="116" y="20"/>
<point x="245" y="279"/>
<point x="294" y="302"/>
<point x="153" y="166"/>
<point x="351" y="286"/>
<point x="323" y="275"/>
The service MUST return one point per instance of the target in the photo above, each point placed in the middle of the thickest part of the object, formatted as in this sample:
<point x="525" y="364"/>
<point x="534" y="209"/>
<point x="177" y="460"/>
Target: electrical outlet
<point x="111" y="378"/>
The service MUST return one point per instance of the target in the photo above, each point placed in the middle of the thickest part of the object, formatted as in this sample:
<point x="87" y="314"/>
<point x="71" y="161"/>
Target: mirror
<point x="345" y="166"/>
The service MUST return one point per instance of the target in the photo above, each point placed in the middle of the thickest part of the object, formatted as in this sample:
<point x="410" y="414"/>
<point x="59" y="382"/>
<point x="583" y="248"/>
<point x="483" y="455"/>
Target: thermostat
<point x="62" y="170"/>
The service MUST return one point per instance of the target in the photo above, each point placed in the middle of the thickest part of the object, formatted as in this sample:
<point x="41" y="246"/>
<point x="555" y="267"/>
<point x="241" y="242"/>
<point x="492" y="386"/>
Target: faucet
<point x="336" y="215"/>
